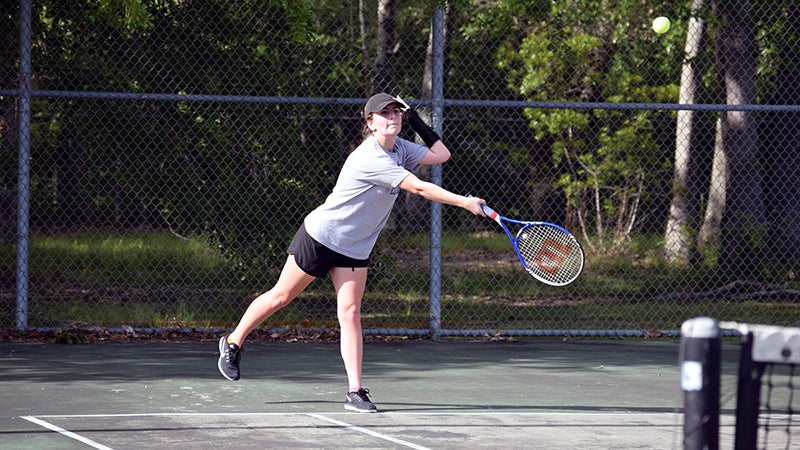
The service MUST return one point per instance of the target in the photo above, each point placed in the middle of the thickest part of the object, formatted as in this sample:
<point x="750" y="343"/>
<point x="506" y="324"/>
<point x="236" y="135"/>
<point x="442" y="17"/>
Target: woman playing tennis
<point x="337" y="237"/>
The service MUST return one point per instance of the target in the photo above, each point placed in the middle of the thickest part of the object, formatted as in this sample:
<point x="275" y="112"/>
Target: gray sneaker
<point x="229" y="355"/>
<point x="359" y="402"/>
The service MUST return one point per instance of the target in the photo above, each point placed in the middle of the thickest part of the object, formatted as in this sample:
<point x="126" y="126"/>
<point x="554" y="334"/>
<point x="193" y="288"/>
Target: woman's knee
<point x="350" y="315"/>
<point x="274" y="299"/>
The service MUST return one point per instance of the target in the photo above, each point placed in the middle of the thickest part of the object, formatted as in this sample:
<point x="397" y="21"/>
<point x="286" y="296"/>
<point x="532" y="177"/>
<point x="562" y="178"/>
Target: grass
<point x="127" y="259"/>
<point x="153" y="279"/>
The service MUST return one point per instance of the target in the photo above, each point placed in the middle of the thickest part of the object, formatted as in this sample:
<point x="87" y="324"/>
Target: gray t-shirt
<point x="355" y="212"/>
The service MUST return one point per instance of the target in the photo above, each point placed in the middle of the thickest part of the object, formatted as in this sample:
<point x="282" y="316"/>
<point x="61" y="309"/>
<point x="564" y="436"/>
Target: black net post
<point x="701" y="355"/>
<point x="748" y="395"/>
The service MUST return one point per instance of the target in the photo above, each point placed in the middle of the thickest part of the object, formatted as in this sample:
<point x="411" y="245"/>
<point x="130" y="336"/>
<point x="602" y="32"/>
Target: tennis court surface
<point x="545" y="393"/>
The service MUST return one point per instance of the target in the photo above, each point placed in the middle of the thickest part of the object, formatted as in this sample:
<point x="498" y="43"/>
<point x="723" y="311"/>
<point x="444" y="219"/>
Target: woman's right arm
<point x="436" y="193"/>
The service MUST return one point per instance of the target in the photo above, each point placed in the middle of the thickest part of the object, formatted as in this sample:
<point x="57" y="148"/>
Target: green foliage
<point x="211" y="169"/>
<point x="300" y="17"/>
<point x="129" y="15"/>
<point x="235" y="187"/>
<point x="581" y="51"/>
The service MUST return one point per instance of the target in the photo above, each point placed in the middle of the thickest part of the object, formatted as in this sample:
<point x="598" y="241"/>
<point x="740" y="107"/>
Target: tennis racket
<point x="547" y="251"/>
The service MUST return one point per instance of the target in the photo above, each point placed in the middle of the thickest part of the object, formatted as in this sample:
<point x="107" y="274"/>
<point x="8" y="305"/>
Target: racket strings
<point x="550" y="254"/>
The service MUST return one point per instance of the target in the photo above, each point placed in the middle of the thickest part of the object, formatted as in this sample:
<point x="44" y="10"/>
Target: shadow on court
<point x="446" y="394"/>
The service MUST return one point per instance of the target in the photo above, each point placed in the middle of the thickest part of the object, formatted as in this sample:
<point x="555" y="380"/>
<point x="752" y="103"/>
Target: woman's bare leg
<point x="349" y="284"/>
<point x="290" y="284"/>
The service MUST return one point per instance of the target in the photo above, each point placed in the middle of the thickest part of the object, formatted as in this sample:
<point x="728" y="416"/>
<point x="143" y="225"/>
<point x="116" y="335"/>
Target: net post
<point x="748" y="396"/>
<point x="701" y="361"/>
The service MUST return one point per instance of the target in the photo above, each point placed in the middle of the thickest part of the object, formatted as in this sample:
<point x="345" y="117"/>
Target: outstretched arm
<point x="436" y="193"/>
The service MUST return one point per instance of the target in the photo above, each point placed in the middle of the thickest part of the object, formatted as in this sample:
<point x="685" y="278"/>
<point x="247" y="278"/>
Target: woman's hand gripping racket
<point x="547" y="251"/>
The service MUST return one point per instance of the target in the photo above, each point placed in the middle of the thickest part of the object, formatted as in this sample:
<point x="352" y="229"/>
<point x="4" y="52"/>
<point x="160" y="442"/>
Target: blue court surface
<point x="546" y="393"/>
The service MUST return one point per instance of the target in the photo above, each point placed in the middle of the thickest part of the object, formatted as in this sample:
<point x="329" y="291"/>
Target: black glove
<point x="426" y="133"/>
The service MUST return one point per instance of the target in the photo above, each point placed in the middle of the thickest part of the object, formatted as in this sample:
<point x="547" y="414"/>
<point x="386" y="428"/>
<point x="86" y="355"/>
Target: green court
<point x="546" y="393"/>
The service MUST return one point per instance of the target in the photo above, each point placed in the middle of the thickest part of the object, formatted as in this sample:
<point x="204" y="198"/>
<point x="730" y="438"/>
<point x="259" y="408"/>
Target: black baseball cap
<point x="379" y="101"/>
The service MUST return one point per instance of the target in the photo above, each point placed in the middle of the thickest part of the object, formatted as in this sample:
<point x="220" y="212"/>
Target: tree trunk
<point x="384" y="57"/>
<point x="415" y="216"/>
<point x="743" y="223"/>
<point x="715" y="206"/>
<point x="782" y="157"/>
<point x="678" y="236"/>
<point x="362" y="28"/>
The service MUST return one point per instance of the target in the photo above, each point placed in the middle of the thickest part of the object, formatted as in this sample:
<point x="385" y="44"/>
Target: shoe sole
<point x="219" y="361"/>
<point x="350" y="407"/>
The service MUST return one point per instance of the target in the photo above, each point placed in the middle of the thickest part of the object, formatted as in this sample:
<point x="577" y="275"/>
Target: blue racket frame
<point x="492" y="214"/>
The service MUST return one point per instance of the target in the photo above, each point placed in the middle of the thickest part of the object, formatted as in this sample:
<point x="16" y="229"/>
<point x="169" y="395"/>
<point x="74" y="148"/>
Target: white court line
<point x="172" y="414"/>
<point x="388" y="413"/>
<point x="102" y="447"/>
<point x="66" y="433"/>
<point x="330" y="420"/>
<point x="369" y="432"/>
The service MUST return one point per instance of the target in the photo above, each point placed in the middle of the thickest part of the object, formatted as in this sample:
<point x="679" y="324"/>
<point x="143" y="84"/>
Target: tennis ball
<point x="661" y="25"/>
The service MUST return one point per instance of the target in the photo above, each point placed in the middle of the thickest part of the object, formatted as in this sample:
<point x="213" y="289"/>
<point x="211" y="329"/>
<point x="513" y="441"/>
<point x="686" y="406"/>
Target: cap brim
<point x="378" y="102"/>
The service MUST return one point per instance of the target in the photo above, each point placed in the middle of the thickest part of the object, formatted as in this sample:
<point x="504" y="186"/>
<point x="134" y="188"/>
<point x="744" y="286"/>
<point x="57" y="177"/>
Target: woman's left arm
<point x="437" y="151"/>
<point x="437" y="154"/>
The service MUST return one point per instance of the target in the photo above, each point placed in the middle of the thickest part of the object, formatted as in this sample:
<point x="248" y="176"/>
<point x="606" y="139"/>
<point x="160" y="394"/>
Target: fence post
<point x="24" y="166"/>
<point x="437" y="94"/>
<point x="701" y="360"/>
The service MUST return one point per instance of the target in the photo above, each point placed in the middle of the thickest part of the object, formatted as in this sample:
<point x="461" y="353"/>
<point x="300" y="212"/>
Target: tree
<point x="776" y="154"/>
<point x="679" y="238"/>
<point x="9" y="33"/>
<point x="588" y="52"/>
<point x="782" y="161"/>
<point x="743" y="228"/>
<point x="413" y="211"/>
<point x="383" y="80"/>
<point x="717" y="189"/>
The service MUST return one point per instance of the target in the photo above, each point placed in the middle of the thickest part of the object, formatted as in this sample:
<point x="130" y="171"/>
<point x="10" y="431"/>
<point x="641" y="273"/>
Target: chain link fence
<point x="172" y="148"/>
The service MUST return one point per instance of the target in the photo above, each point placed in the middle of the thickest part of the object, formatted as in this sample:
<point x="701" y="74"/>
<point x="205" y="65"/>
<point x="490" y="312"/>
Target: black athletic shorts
<point x="316" y="259"/>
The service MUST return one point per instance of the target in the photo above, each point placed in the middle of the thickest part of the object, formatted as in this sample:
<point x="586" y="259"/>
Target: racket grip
<point x="490" y="213"/>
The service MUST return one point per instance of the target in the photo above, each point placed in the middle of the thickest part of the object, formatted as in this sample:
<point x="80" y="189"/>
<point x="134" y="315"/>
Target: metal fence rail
<point x="147" y="150"/>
